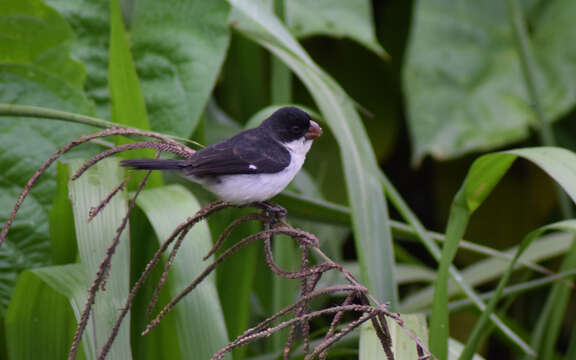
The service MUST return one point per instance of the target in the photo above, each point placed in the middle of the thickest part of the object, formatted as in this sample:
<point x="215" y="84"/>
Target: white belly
<point x="244" y="189"/>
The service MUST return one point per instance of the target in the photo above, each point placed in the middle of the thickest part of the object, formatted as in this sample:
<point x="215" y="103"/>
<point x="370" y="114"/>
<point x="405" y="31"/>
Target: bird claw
<point x="276" y="211"/>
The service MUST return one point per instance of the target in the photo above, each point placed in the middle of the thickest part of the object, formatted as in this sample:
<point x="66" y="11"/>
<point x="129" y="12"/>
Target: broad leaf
<point x="338" y="18"/>
<point x="35" y="69"/>
<point x="178" y="49"/>
<point x="463" y="79"/>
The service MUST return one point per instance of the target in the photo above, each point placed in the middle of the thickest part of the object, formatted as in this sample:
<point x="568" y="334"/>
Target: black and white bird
<point x="252" y="166"/>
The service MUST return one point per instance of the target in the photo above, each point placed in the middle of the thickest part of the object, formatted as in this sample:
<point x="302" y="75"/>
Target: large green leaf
<point x="339" y="18"/>
<point x="36" y="69"/>
<point x="370" y="214"/>
<point x="89" y="20"/>
<point x="178" y="48"/>
<point x="199" y="319"/>
<point x="463" y="79"/>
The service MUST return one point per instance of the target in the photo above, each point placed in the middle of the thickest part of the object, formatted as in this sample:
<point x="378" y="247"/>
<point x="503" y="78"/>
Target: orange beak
<point x="313" y="131"/>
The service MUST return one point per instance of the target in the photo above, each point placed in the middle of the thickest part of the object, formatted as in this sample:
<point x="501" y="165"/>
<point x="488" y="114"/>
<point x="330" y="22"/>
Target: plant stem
<point x="45" y="113"/>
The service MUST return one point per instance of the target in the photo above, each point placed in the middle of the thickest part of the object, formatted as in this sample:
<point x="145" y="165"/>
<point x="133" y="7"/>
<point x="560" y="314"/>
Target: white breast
<point x="244" y="189"/>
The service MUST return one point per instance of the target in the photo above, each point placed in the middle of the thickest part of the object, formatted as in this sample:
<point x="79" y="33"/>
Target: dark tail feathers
<point x="153" y="164"/>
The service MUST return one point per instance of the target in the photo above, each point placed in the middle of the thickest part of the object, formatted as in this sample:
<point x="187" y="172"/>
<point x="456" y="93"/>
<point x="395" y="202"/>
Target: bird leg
<point x="271" y="210"/>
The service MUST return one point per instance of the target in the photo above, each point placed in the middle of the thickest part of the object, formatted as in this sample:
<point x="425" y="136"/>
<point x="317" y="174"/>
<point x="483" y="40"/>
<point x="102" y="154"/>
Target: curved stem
<point x="46" y="113"/>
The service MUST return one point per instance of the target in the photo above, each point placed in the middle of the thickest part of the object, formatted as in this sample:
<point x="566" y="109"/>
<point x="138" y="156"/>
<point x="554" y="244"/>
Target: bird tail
<point x="153" y="164"/>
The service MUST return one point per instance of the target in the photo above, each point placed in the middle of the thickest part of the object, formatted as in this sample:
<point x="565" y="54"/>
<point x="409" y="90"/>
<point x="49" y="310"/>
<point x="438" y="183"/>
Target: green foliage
<point x="463" y="78"/>
<point x="35" y="69"/>
<point x="468" y="77"/>
<point x="166" y="208"/>
<point x="341" y="18"/>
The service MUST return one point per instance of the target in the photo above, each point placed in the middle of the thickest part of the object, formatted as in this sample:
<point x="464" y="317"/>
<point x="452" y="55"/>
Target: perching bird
<point x="252" y="166"/>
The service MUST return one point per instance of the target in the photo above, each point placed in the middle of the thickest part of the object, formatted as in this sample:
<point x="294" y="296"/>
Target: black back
<point x="254" y="151"/>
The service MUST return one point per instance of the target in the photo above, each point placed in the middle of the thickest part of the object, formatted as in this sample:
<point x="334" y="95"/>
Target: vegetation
<point x="428" y="107"/>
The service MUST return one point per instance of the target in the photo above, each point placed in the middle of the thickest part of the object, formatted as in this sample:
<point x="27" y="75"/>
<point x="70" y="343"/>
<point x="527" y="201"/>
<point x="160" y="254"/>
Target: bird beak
<point x="313" y="131"/>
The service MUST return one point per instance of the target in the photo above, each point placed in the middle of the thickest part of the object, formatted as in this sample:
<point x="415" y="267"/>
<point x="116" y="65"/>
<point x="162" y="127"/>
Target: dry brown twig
<point x="357" y="300"/>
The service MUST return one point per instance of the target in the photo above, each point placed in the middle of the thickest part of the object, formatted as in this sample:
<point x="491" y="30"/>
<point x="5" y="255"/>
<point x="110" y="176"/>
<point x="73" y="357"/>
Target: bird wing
<point x="250" y="152"/>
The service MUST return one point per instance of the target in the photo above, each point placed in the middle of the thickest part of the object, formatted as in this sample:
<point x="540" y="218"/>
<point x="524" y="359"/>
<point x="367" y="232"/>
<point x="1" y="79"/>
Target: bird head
<point x="291" y="123"/>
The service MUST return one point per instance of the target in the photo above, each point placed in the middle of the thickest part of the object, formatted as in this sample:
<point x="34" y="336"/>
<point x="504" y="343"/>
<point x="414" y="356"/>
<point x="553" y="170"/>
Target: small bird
<point x="252" y="166"/>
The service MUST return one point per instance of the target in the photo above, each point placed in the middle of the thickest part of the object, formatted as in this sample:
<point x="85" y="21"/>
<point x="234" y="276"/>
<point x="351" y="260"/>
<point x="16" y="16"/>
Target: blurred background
<point x="435" y="84"/>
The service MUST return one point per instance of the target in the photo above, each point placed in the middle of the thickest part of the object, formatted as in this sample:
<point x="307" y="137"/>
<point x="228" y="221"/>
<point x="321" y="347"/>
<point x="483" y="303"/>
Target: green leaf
<point x="127" y="103"/>
<point x="199" y="319"/>
<point x="62" y="232"/>
<point x="236" y="276"/>
<point x="179" y="46"/>
<point x="559" y="163"/>
<point x="463" y="80"/>
<point x="39" y="322"/>
<point x="35" y="69"/>
<point x="455" y="349"/>
<point x="163" y="342"/>
<point x="481" y="328"/>
<point x="492" y="268"/>
<point x="94" y="238"/>
<point x="403" y="346"/>
<point x="338" y="18"/>
<point x="370" y="214"/>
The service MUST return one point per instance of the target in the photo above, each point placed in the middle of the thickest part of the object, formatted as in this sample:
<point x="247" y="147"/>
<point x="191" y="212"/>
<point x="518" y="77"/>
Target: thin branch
<point x="201" y="214"/>
<point x="346" y="330"/>
<point x="207" y="271"/>
<point x="102" y="272"/>
<point x="94" y="211"/>
<point x="226" y="233"/>
<point x="242" y="340"/>
<point x="65" y="149"/>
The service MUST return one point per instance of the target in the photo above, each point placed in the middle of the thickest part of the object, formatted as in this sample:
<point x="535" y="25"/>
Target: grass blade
<point x="199" y="318"/>
<point x="480" y="329"/>
<point x="484" y="174"/>
<point x="370" y="214"/>
<point x="127" y="102"/>
<point x="93" y="239"/>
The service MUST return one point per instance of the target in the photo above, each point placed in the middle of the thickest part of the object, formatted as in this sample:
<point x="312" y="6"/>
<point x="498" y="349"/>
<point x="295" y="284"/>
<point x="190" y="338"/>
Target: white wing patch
<point x="252" y="167"/>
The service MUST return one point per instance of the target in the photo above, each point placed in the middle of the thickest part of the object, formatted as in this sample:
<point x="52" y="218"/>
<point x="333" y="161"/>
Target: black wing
<point x="250" y="152"/>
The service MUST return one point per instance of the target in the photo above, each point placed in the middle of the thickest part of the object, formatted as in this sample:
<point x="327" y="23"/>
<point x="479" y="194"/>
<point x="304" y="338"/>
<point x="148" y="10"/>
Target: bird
<point x="252" y="166"/>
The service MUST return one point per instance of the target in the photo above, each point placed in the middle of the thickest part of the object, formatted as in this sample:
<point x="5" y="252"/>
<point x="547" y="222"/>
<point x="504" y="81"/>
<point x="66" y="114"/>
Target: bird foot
<point x="272" y="210"/>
